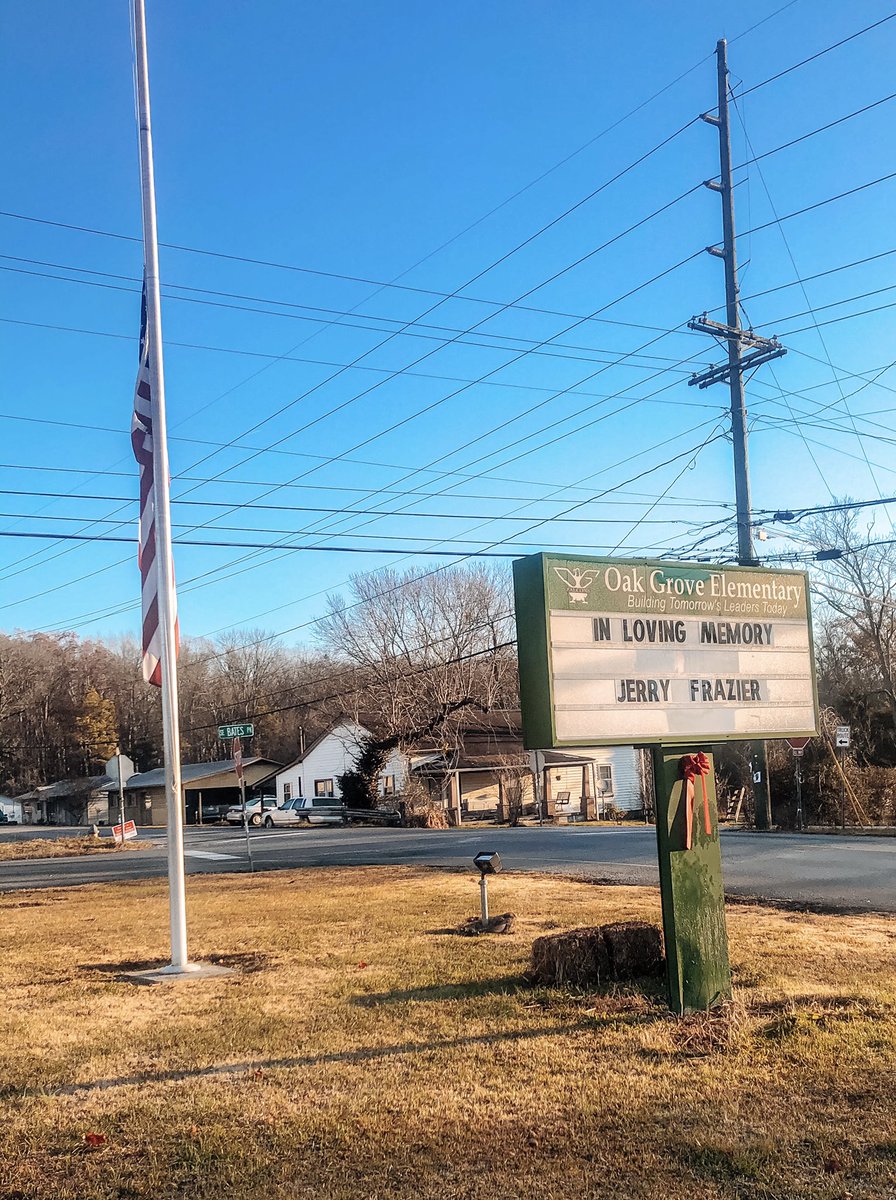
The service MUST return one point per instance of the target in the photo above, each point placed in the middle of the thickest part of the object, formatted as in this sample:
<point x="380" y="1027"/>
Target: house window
<point x="605" y="779"/>
<point x="287" y="792"/>
<point x="323" y="787"/>
<point x="388" y="785"/>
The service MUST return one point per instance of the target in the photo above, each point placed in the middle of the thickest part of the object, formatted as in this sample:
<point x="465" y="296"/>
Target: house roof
<point x="191" y="772"/>
<point x="482" y="742"/>
<point x="66" y="787"/>
<point x="312" y="745"/>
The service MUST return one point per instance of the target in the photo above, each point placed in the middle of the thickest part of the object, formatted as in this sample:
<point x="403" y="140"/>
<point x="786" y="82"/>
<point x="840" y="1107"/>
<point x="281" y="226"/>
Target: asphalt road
<point x="837" y="871"/>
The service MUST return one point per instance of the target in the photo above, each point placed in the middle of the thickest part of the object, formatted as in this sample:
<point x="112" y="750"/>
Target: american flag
<point x="141" y="440"/>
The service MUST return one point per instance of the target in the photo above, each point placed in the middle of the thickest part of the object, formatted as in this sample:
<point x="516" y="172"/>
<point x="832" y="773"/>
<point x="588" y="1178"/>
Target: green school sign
<point x="621" y="653"/>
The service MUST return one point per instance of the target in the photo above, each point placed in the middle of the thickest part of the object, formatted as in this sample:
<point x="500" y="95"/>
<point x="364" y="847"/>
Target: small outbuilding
<point x="67" y="802"/>
<point x="209" y="790"/>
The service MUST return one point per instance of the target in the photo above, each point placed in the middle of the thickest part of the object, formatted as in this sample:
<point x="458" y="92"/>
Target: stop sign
<point x="798" y="744"/>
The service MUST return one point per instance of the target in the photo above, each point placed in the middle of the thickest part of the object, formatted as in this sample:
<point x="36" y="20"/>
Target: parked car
<point x="285" y="814"/>
<point x="308" y="810"/>
<point x="255" y="810"/>
<point x="215" y="812"/>
<point x="6" y="820"/>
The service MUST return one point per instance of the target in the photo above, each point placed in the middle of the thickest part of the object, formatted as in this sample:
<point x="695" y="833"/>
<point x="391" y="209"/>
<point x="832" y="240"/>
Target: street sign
<point x="620" y="653"/>
<point x="798" y="745"/>
<point x="843" y="737"/>
<point x="228" y="732"/>
<point x="130" y="831"/>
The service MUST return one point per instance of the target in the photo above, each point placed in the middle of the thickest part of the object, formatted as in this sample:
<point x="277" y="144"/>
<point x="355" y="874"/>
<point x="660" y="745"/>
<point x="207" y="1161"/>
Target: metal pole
<point x="121" y="798"/>
<point x="800" y="823"/>
<point x="483" y="898"/>
<point x="161" y="501"/>
<point x="842" y="789"/>
<point x="246" y="824"/>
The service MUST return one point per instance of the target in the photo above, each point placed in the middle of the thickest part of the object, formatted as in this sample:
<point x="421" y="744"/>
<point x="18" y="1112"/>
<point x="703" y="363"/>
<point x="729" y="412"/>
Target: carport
<point x="209" y="789"/>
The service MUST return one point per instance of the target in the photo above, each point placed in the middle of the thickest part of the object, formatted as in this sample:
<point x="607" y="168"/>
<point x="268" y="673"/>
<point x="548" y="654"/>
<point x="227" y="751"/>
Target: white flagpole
<point x="161" y="500"/>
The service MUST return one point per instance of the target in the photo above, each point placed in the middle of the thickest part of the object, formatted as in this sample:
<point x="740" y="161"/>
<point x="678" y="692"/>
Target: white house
<point x="12" y="809"/>
<point x="473" y="779"/>
<point x="615" y="779"/>
<point x="317" y="771"/>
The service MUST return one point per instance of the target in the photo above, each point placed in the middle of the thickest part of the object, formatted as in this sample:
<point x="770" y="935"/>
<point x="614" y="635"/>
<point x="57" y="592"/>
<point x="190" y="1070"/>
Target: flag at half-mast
<point x="142" y="441"/>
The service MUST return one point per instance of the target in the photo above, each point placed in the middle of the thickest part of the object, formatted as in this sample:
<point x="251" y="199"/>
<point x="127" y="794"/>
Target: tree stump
<point x="601" y="954"/>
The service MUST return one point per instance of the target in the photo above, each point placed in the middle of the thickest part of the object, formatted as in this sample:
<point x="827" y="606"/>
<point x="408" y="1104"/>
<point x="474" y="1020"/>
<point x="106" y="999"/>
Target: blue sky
<point x="355" y="141"/>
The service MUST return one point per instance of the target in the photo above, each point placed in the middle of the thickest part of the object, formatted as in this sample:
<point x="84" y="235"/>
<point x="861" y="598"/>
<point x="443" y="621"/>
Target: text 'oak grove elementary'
<point x="719" y="585"/>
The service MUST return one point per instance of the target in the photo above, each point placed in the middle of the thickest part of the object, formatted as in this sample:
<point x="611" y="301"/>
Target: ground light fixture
<point x="486" y="862"/>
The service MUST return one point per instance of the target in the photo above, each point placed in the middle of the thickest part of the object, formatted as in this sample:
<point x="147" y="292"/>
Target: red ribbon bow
<point x="695" y="766"/>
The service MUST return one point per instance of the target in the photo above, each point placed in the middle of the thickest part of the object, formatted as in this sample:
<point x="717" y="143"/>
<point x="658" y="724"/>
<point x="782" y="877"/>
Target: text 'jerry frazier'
<point x="702" y="691"/>
<point x="711" y="633"/>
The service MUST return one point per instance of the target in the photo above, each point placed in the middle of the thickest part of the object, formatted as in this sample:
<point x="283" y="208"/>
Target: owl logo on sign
<point x="578" y="582"/>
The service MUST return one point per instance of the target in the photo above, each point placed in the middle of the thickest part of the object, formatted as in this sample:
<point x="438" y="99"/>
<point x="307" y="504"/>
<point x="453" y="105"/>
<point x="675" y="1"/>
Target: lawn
<point x="364" y="1050"/>
<point x="64" y="847"/>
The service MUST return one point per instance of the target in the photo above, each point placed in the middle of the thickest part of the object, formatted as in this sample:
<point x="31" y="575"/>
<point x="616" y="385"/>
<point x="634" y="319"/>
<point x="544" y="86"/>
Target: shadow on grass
<point x="504" y="985"/>
<point x="247" y="963"/>
<point x="256" y="1068"/>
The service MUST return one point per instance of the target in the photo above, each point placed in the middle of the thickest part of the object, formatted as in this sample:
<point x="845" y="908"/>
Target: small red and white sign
<point x="798" y="745"/>
<point x="130" y="831"/>
<point x="238" y="758"/>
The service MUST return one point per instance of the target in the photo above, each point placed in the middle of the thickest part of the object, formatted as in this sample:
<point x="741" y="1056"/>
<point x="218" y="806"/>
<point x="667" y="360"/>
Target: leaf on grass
<point x="95" y="1140"/>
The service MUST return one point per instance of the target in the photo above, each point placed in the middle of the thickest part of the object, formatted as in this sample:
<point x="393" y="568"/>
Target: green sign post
<point x="676" y="656"/>
<point x="228" y="732"/>
<point x="687" y="832"/>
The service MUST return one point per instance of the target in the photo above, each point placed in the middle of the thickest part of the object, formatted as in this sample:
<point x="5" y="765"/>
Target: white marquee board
<point x="640" y="652"/>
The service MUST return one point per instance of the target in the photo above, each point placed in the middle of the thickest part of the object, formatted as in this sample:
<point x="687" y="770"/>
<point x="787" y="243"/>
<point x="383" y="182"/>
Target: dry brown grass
<point x="64" y="847"/>
<point x="364" y="1051"/>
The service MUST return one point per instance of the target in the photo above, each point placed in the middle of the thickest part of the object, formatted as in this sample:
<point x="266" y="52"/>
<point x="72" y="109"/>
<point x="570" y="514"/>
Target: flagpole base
<point x="175" y="974"/>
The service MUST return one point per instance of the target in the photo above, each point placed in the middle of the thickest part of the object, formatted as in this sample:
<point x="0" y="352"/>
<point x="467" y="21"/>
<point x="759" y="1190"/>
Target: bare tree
<point x="424" y="646"/>
<point x="856" y="619"/>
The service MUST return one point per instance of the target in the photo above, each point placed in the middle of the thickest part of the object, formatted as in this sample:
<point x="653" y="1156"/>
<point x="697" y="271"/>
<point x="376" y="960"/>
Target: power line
<point x="326" y="487"/>
<point x="861" y="187"/>
<point x="373" y="513"/>
<point x="787" y="515"/>
<point x="443" y="516"/>
<point x="814" y="57"/>
<point x="788" y="216"/>
<point x="454" y="540"/>
<point x="196" y="581"/>
<point x="407" y="329"/>
<point x="756" y="158"/>
<point x="391" y="336"/>
<point x="85" y="537"/>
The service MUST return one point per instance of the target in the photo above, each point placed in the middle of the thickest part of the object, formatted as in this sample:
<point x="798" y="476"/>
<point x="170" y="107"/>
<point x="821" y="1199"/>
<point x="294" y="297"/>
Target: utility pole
<point x="118" y="755"/>
<point x="762" y="350"/>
